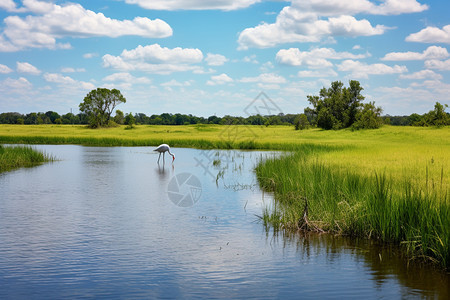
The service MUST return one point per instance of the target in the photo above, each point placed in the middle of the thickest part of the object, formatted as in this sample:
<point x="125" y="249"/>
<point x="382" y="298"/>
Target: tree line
<point x="51" y="117"/>
<point x="335" y="107"/>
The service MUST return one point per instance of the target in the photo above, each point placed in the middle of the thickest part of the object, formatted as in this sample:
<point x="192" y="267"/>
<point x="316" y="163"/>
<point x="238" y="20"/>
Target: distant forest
<point x="51" y="117"/>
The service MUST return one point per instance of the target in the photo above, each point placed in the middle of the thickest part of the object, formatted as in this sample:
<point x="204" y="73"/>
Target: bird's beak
<point x="173" y="158"/>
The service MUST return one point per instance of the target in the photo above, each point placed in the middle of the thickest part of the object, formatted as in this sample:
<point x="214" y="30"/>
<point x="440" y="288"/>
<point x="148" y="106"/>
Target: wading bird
<point x="162" y="149"/>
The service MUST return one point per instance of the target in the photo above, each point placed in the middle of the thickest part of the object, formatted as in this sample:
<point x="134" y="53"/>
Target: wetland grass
<point x="340" y="201"/>
<point x="20" y="156"/>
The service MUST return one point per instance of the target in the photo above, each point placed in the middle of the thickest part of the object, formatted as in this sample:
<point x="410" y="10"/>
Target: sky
<point x="220" y="57"/>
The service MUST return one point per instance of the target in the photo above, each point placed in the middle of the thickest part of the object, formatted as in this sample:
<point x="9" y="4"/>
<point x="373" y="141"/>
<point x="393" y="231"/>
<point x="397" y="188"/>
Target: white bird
<point x="162" y="149"/>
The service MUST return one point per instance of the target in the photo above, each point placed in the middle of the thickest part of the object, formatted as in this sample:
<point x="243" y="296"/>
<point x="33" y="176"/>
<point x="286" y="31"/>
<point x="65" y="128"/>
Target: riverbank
<point x="390" y="184"/>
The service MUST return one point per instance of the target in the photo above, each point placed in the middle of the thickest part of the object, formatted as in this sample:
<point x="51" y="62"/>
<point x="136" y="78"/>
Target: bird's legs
<point x="159" y="157"/>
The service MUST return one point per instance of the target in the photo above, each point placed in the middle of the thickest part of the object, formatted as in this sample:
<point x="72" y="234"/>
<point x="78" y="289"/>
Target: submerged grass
<point x="20" y="156"/>
<point x="390" y="184"/>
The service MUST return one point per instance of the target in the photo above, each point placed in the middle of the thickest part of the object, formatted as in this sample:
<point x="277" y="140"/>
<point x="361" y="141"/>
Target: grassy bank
<point x="19" y="156"/>
<point x="312" y="195"/>
<point x="391" y="184"/>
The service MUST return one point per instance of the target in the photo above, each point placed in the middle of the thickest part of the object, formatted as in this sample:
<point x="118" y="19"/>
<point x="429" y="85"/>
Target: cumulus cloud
<point x="8" y="5"/>
<point x="5" y="69"/>
<point x="442" y="65"/>
<point x="293" y="25"/>
<point x="193" y="4"/>
<point x="362" y="70"/>
<point x="54" y="22"/>
<point x="432" y="52"/>
<point x="424" y="74"/>
<point x="318" y="20"/>
<point x="338" y="7"/>
<point x="315" y="58"/>
<point x="215" y="59"/>
<point x="155" y="59"/>
<point x="67" y="81"/>
<point x="10" y="85"/>
<point x="24" y="67"/>
<point x="431" y="35"/>
<point x="220" y="79"/>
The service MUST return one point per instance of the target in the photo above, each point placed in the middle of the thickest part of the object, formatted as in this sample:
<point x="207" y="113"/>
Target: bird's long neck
<point x="170" y="153"/>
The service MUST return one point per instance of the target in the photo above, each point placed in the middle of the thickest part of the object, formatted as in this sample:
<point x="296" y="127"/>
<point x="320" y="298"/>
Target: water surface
<point x="101" y="223"/>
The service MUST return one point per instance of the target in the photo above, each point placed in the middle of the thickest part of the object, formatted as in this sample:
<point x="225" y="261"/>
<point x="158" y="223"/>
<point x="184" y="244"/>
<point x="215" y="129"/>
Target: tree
<point x="301" y="122"/>
<point x="99" y="105"/>
<point x="368" y="117"/>
<point x="119" y="117"/>
<point x="438" y="116"/>
<point x="129" y="120"/>
<point x="336" y="107"/>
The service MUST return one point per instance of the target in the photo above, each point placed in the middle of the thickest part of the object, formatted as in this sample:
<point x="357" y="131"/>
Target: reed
<point x="20" y="156"/>
<point x="344" y="202"/>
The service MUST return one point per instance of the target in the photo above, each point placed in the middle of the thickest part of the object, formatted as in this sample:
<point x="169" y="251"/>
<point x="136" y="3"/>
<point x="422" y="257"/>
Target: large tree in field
<point x="99" y="105"/>
<point x="339" y="107"/>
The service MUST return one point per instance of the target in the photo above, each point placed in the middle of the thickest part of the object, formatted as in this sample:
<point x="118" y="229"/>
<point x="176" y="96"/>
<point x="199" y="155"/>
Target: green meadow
<point x="390" y="183"/>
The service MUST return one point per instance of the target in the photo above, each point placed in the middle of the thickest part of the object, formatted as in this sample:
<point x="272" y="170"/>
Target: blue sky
<point x="207" y="58"/>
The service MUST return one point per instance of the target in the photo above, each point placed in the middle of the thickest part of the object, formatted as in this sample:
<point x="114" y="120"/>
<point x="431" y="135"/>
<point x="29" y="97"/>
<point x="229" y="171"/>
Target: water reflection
<point x="383" y="262"/>
<point x="99" y="223"/>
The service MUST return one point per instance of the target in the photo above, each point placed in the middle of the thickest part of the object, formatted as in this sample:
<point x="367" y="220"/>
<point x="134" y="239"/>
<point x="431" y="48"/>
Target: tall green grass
<point x="336" y="200"/>
<point x="20" y="156"/>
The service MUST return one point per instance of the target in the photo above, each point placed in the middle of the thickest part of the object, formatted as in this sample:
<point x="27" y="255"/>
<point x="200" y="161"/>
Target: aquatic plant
<point x="21" y="156"/>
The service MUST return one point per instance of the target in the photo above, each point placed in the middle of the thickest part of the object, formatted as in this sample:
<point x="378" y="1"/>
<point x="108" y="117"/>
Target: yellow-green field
<point x="400" y="151"/>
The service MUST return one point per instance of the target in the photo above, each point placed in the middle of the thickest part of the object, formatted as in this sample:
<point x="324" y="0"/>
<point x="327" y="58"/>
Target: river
<point x="109" y="222"/>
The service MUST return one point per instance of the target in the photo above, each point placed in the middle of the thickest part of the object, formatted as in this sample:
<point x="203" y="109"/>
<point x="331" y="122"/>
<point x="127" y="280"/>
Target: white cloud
<point x="295" y="24"/>
<point x="315" y="58"/>
<point x="220" y="79"/>
<point x="173" y="82"/>
<point x="5" y="69"/>
<point x="318" y="20"/>
<point x="90" y="55"/>
<point x="24" y="67"/>
<point x="317" y="73"/>
<point x="339" y="7"/>
<point x="431" y="35"/>
<point x="362" y="70"/>
<point x="126" y="77"/>
<point x="438" y="64"/>
<point x="155" y="59"/>
<point x="435" y="85"/>
<point x="270" y="78"/>
<point x="215" y="59"/>
<point x="432" y="52"/>
<point x="67" y="81"/>
<point x="8" y="5"/>
<point x="72" y="70"/>
<point x="10" y="85"/>
<point x="250" y="59"/>
<point x="424" y="74"/>
<point x="71" y="20"/>
<point x="193" y="4"/>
